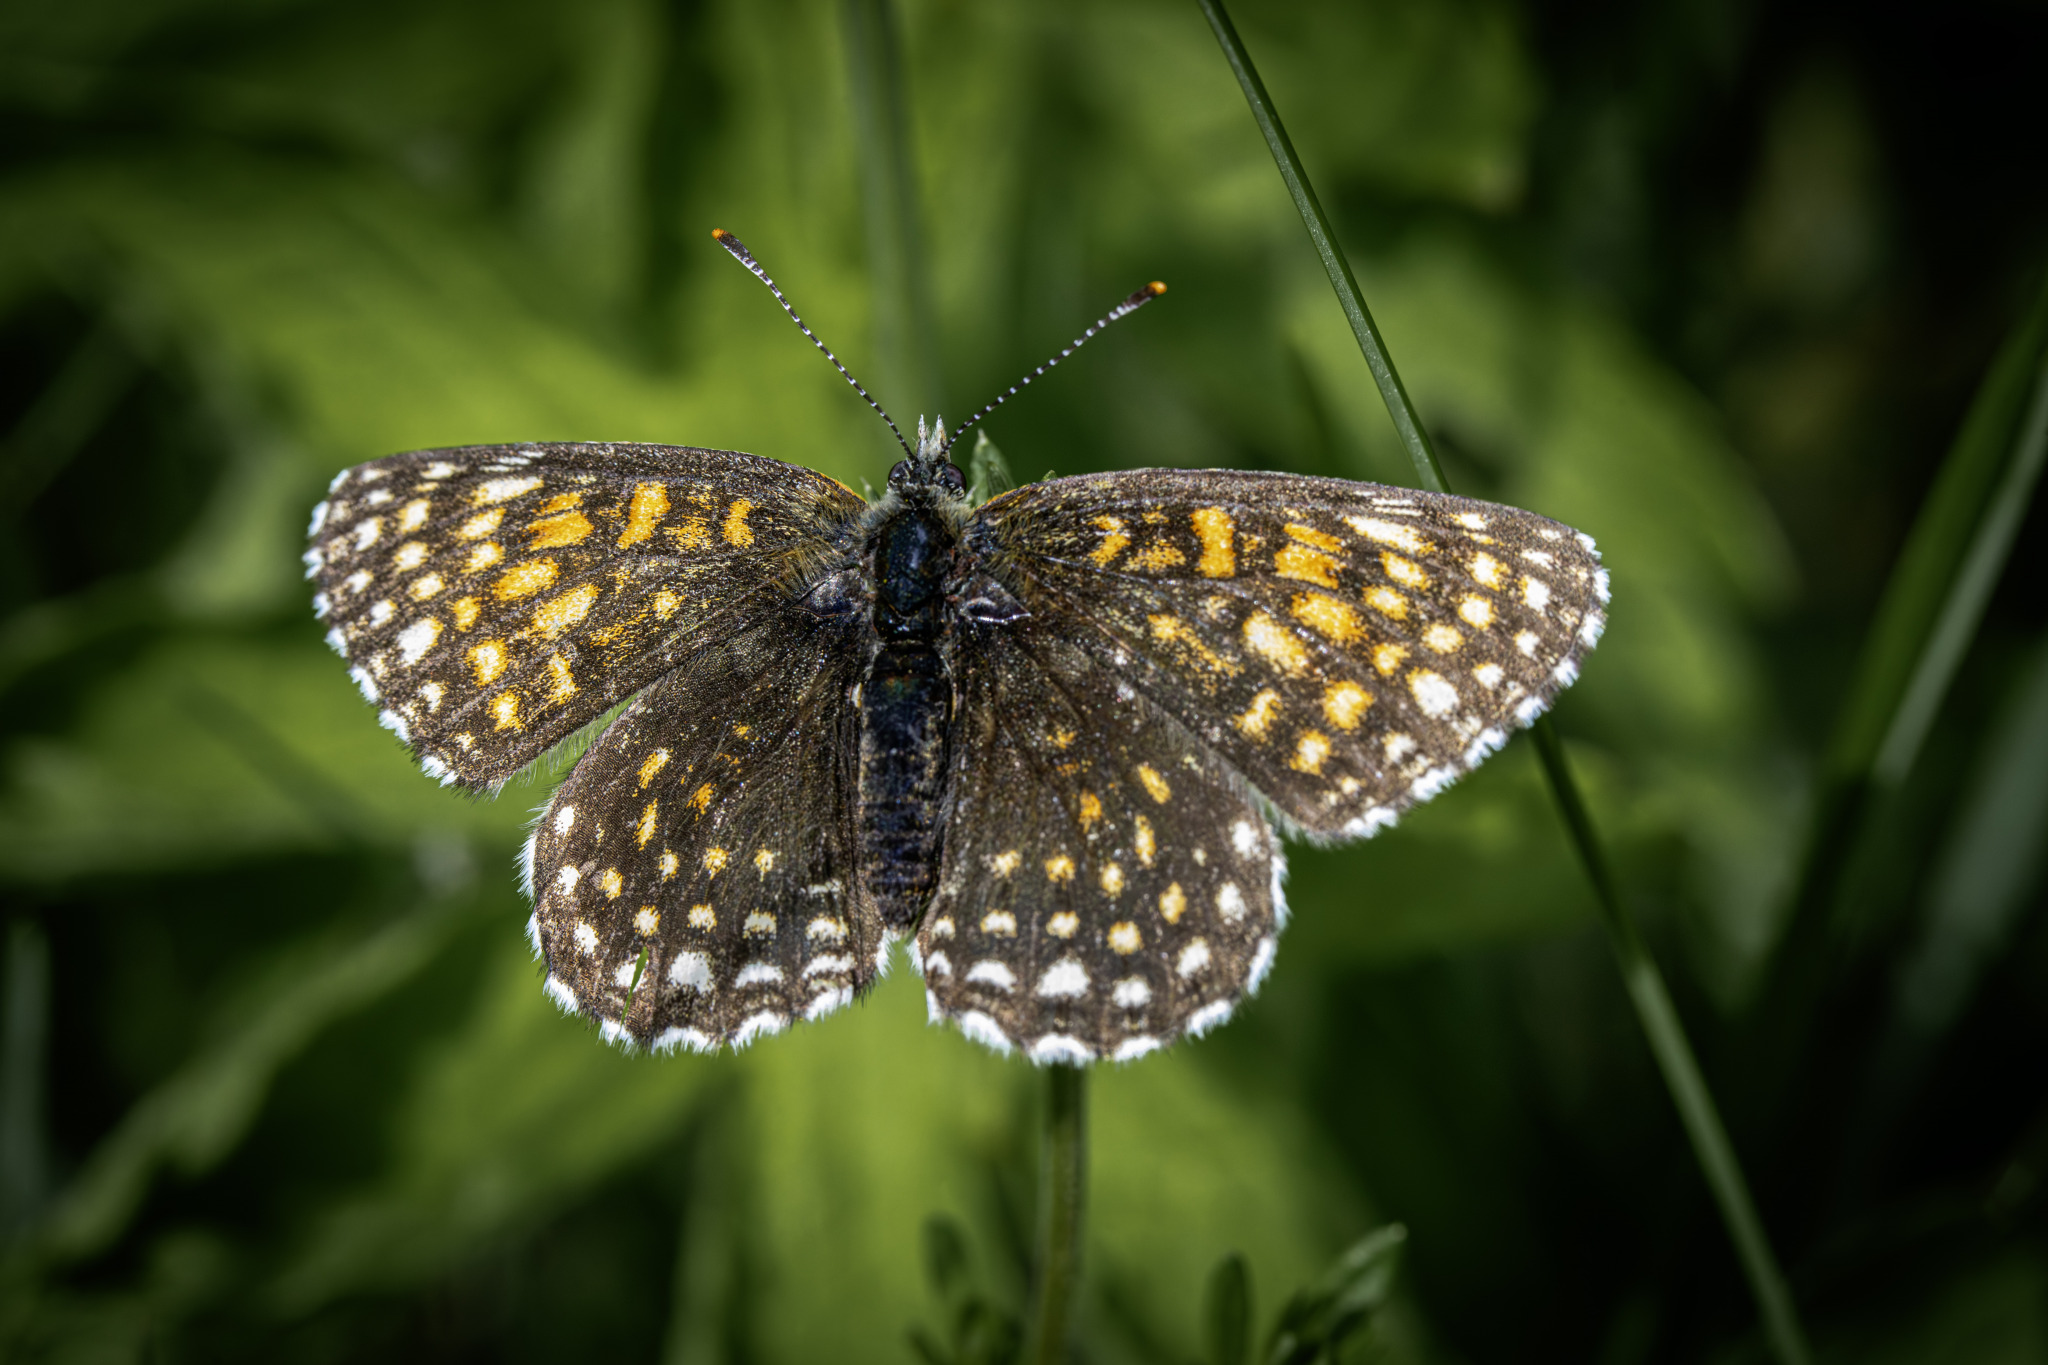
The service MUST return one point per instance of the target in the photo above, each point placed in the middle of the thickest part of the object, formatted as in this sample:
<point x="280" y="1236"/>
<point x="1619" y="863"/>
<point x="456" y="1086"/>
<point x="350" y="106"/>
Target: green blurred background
<point x="1714" y="281"/>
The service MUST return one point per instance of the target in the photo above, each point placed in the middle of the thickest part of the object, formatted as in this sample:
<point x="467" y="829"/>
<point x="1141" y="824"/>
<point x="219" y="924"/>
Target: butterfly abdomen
<point x="906" y="708"/>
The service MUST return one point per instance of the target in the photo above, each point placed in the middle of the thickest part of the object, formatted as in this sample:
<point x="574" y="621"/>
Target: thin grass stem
<point x="1666" y="1034"/>
<point x="890" y="202"/>
<point x="1428" y="472"/>
<point x="1953" y="558"/>
<point x="882" y="124"/>
<point x="1062" y="1196"/>
<point x="1640" y="976"/>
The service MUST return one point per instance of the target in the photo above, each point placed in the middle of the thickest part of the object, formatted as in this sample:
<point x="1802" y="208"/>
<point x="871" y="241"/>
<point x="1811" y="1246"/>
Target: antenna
<point x="746" y="258"/>
<point x="1124" y="309"/>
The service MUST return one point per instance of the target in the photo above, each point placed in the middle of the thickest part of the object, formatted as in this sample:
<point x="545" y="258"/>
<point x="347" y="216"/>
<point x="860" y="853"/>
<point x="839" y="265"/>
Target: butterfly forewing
<point x="494" y="599"/>
<point x="1107" y="885"/>
<point x="696" y="878"/>
<point x="1348" y="648"/>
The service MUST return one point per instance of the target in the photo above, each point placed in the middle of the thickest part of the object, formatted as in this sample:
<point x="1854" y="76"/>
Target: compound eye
<point x="951" y="478"/>
<point x="901" y="474"/>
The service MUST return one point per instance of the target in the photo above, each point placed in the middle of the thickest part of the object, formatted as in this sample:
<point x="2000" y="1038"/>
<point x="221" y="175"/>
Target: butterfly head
<point x="928" y="468"/>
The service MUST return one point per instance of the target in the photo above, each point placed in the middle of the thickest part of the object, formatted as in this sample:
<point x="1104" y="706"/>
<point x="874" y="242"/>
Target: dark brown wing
<point x="695" y="878"/>
<point x="1107" y="884"/>
<point x="1349" y="648"/>
<point x="493" y="599"/>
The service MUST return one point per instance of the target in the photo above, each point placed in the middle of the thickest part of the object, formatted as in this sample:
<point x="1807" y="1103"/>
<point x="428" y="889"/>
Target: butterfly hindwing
<point x="696" y="878"/>
<point x="1107" y="886"/>
<point x="1349" y="648"/>
<point x="494" y="599"/>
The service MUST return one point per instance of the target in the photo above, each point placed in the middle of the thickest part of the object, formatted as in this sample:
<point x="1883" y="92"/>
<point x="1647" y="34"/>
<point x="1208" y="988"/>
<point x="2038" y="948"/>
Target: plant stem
<point x="1062" y="1182"/>
<point x="1427" y="471"/>
<point x="1644" y="983"/>
<point x="1961" y="541"/>
<point x="896" y="252"/>
<point x="889" y="198"/>
<point x="1666" y="1034"/>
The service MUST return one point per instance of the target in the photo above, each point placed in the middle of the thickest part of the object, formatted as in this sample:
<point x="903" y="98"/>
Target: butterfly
<point x="1053" y="737"/>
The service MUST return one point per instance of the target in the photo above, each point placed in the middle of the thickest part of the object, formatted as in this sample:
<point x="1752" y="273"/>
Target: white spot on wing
<point x="1058" y="1047"/>
<point x="1133" y="1048"/>
<point x="757" y="973"/>
<point x="1432" y="782"/>
<point x="825" y="1001"/>
<point x="1230" y="901"/>
<point x="669" y="1039"/>
<point x="759" y="1026"/>
<point x="1490" y="739"/>
<point x="416" y="639"/>
<point x="984" y="1030"/>
<point x="1244" y="838"/>
<point x="1208" y="1017"/>
<point x="1262" y="962"/>
<point x="990" y="972"/>
<point x="1065" y="979"/>
<point x="1131" y="992"/>
<point x="691" y="971"/>
<point x="1433" y="694"/>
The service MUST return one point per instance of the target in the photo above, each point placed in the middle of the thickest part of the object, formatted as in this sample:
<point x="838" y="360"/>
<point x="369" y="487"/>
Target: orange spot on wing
<point x="1387" y="603"/>
<point x="737" y="532"/>
<point x="1215" y="529"/>
<point x="1305" y="565"/>
<point x="648" y="506"/>
<point x="569" y="528"/>
<point x="1112" y="544"/>
<point x="1276" y="644"/>
<point x="564" y="611"/>
<point x="524" y="580"/>
<point x="1171" y="630"/>
<point x="561" y="683"/>
<point x="505" y="711"/>
<point x="1326" y="616"/>
<point x="1344" y="703"/>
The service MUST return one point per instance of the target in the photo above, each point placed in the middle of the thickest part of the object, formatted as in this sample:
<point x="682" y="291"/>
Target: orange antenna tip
<point x="1155" y="289"/>
<point x="720" y="233"/>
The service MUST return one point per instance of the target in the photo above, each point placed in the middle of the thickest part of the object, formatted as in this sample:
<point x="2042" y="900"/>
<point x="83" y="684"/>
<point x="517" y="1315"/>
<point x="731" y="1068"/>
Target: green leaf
<point x="1319" y="1319"/>
<point x="1227" y="1311"/>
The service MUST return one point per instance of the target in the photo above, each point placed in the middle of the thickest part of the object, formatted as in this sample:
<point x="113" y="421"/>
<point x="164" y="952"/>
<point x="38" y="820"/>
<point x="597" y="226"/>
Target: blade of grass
<point x="1645" y="984"/>
<point x="889" y="198"/>
<point x="1062" y="1193"/>
<point x="1350" y="297"/>
<point x="1952" y="560"/>
<point x="883" y="128"/>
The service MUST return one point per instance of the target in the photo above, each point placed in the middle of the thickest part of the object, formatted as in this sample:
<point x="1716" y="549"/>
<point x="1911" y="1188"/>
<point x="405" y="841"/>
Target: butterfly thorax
<point x="906" y="699"/>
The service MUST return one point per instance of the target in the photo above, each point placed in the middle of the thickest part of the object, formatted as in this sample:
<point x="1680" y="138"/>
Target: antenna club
<point x="1155" y="289"/>
<point x="721" y="234"/>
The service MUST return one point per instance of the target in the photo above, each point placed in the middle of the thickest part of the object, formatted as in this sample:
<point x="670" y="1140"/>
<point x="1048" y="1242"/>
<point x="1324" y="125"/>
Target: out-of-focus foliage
<point x="1713" y="284"/>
